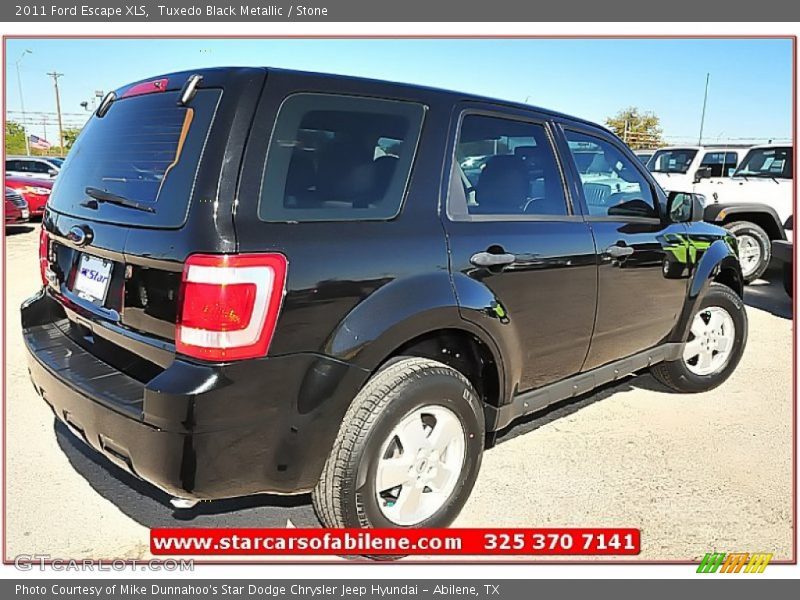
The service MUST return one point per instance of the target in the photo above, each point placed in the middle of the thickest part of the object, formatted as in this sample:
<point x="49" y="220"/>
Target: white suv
<point x="755" y="204"/>
<point x="681" y="168"/>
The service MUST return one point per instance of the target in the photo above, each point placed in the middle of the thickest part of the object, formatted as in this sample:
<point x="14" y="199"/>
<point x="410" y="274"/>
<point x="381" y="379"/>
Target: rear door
<point x="643" y="274"/>
<point x="512" y="230"/>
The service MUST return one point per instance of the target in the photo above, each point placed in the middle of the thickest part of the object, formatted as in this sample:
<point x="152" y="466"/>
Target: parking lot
<point x="695" y="472"/>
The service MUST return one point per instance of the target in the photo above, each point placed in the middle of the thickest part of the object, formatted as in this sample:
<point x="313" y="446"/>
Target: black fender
<point x="483" y="310"/>
<point x="719" y="256"/>
<point x="718" y="212"/>
<point x="396" y="313"/>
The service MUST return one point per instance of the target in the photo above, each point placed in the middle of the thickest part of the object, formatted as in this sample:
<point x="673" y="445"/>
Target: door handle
<point x="619" y="251"/>
<point x="487" y="259"/>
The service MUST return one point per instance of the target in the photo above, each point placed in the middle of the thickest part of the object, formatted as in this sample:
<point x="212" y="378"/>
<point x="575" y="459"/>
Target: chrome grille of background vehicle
<point x="16" y="198"/>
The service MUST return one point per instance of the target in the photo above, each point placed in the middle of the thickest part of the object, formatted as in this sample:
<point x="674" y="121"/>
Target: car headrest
<point x="503" y="185"/>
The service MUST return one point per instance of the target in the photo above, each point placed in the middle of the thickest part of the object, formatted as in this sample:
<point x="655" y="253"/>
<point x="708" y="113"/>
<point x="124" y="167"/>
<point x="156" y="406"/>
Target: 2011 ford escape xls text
<point x="258" y="280"/>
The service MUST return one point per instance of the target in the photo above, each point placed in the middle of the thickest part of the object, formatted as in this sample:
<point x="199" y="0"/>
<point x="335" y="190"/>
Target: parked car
<point x="16" y="208"/>
<point x="262" y="302"/>
<point x="681" y="168"/>
<point x="36" y="193"/>
<point x="38" y="167"/>
<point x="755" y="204"/>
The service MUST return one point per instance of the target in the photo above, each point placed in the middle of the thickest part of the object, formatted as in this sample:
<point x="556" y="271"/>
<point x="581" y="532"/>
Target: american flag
<point x="38" y="143"/>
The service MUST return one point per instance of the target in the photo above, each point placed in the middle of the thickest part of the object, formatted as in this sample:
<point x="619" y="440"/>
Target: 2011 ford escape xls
<point x="258" y="280"/>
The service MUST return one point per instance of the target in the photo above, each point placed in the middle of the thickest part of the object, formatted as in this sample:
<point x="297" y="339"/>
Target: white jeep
<point x="681" y="168"/>
<point x="753" y="204"/>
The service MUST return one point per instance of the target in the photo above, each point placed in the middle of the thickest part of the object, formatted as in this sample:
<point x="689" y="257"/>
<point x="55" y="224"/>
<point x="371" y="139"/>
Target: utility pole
<point x="703" y="116"/>
<point x="22" y="102"/>
<point x="55" y="77"/>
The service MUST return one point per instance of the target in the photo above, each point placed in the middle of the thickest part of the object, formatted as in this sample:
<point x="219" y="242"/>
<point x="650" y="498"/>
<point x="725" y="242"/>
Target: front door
<point x="642" y="268"/>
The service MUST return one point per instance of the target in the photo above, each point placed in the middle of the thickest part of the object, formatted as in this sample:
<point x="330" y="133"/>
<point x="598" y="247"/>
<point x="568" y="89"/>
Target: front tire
<point x="755" y="248"/>
<point x="716" y="342"/>
<point x="408" y="451"/>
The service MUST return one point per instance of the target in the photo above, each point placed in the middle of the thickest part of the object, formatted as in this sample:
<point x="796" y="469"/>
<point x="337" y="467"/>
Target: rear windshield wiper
<point x="103" y="196"/>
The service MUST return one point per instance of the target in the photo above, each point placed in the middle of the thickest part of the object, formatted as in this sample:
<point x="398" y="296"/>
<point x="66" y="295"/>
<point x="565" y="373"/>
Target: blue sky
<point x="749" y="95"/>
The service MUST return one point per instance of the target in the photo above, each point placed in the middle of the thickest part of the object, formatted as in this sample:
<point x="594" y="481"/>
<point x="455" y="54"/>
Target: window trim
<point x="352" y="218"/>
<point x="546" y="125"/>
<point x="625" y="151"/>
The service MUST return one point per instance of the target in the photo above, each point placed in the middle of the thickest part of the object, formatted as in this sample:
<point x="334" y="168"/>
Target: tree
<point x="15" y="138"/>
<point x="70" y="135"/>
<point x="637" y="129"/>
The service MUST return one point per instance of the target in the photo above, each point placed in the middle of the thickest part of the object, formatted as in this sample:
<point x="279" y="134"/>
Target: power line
<point x="51" y="112"/>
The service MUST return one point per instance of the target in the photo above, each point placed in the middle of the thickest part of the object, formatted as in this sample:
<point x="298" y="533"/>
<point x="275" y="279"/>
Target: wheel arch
<point x="419" y="316"/>
<point x="762" y="215"/>
<point x="718" y="263"/>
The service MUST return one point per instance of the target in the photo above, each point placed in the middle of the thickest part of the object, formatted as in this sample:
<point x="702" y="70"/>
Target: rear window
<point x="339" y="158"/>
<point x="145" y="149"/>
<point x="720" y="163"/>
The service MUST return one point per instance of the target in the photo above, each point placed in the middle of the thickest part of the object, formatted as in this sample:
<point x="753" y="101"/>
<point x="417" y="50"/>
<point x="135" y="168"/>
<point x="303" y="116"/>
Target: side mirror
<point x="702" y="173"/>
<point x="685" y="207"/>
<point x="52" y="172"/>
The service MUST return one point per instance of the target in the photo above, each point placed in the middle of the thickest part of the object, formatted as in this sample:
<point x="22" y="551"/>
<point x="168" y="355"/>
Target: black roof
<point x="464" y="96"/>
<point x="218" y="75"/>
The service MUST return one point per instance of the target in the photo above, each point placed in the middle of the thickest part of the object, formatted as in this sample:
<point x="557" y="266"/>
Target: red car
<point x="35" y="191"/>
<point x="16" y="209"/>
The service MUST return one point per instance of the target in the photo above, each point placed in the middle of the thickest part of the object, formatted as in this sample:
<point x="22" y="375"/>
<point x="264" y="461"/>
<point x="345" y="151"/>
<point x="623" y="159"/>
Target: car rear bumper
<point x="196" y="431"/>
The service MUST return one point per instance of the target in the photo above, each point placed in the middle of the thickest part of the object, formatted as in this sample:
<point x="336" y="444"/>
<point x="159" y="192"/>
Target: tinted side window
<point x="39" y="167"/>
<point x="612" y="185"/>
<point x="16" y="165"/>
<point x="721" y="164"/>
<point x="506" y="167"/>
<point x="339" y="158"/>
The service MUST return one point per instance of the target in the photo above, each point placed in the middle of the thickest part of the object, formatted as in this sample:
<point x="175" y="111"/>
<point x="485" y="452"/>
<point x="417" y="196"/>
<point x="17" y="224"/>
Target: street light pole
<point x="22" y="101"/>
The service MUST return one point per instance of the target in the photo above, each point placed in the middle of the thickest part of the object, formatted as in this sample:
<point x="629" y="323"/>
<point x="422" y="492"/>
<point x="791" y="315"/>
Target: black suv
<point x="257" y="280"/>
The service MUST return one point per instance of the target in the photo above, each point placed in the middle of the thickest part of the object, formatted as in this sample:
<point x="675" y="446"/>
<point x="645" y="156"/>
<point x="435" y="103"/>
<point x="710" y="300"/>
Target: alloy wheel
<point x="420" y="464"/>
<point x="711" y="341"/>
<point x="750" y="254"/>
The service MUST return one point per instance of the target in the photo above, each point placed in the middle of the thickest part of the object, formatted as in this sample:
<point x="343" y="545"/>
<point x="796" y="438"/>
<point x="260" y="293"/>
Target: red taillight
<point x="147" y="87"/>
<point x="229" y="305"/>
<point x="218" y="307"/>
<point x="44" y="252"/>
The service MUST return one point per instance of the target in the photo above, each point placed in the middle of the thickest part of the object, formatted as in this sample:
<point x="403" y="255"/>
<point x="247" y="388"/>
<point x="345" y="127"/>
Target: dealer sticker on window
<point x="91" y="281"/>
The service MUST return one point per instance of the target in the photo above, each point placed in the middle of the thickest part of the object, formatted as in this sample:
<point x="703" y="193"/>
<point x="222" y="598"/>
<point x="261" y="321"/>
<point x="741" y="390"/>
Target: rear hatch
<point x="149" y="181"/>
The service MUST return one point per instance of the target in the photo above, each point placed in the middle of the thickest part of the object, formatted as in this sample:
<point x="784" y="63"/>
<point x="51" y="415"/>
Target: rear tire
<point x="408" y="450"/>
<point x="755" y="248"/>
<point x="715" y="345"/>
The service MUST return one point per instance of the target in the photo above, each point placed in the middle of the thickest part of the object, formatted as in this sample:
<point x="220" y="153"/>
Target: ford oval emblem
<point x="80" y="236"/>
